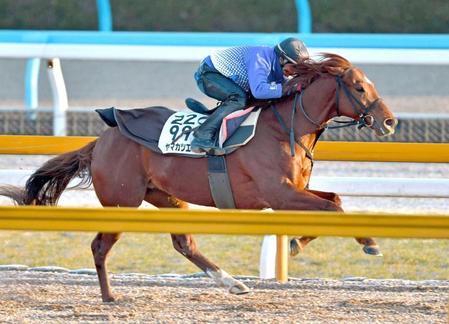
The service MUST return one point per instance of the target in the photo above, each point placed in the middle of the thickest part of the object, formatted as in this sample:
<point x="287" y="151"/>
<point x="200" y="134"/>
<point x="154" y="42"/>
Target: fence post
<point x="60" y="101"/>
<point x="33" y="65"/>
<point x="104" y="15"/>
<point x="32" y="87"/>
<point x="267" y="263"/>
<point x="304" y="16"/>
<point x="282" y="258"/>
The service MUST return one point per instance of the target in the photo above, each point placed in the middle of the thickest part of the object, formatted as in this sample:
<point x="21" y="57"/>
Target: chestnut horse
<point x="271" y="171"/>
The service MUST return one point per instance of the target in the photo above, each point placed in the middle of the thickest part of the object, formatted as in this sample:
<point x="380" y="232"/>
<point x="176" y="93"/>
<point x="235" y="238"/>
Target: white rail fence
<point x="344" y="186"/>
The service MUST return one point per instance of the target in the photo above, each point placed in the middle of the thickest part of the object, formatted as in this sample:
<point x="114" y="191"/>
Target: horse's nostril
<point x="391" y="122"/>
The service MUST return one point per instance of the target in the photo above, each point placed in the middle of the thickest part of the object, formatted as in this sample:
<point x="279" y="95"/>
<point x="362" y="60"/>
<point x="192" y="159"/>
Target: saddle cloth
<point x="166" y="131"/>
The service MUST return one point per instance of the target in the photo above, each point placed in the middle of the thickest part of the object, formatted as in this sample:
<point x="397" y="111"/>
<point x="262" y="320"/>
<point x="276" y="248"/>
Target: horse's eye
<point x="359" y="88"/>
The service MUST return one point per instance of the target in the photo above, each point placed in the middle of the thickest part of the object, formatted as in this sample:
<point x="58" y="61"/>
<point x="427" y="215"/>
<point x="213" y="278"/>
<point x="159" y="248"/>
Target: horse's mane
<point x="325" y="63"/>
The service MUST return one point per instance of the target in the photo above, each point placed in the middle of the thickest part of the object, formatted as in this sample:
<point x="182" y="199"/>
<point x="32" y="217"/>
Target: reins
<point x="291" y="131"/>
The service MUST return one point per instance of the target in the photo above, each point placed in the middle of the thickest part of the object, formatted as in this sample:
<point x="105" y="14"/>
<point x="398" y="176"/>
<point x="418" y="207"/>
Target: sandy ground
<point x="36" y="296"/>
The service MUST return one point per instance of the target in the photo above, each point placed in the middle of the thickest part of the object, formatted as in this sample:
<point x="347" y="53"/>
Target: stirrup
<point x="199" y="145"/>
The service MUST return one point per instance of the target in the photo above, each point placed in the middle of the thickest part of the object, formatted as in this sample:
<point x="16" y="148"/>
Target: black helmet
<point x="292" y="49"/>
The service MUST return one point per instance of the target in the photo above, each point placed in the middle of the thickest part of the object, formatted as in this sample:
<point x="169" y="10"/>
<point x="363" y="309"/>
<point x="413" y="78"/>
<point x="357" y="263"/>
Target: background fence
<point x="432" y="128"/>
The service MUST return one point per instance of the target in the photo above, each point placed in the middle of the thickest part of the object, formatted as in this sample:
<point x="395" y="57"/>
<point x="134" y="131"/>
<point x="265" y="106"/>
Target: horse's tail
<point x="46" y="184"/>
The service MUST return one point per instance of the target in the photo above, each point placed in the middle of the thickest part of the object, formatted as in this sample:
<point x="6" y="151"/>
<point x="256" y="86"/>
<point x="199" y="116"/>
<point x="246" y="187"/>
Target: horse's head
<point x="358" y="98"/>
<point x="355" y="95"/>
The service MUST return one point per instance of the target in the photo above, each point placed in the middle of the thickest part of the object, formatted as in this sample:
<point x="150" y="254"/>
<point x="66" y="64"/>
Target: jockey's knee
<point x="238" y="99"/>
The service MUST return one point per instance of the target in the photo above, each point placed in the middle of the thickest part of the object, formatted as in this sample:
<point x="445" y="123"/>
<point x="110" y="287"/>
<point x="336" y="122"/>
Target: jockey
<point x="236" y="74"/>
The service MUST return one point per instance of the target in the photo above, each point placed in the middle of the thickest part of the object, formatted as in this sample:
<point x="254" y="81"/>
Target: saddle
<point x="166" y="131"/>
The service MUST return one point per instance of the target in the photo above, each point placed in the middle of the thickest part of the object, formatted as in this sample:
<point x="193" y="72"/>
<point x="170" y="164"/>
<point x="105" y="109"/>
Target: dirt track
<point x="36" y="296"/>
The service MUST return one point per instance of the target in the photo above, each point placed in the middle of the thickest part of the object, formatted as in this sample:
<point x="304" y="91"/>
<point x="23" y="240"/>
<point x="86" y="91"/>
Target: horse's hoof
<point x="239" y="289"/>
<point x="108" y="299"/>
<point x="295" y="247"/>
<point x="372" y="250"/>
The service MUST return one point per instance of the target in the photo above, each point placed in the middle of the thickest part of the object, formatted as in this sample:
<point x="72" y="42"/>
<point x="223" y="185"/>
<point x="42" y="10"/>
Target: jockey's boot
<point x="197" y="106"/>
<point x="205" y="139"/>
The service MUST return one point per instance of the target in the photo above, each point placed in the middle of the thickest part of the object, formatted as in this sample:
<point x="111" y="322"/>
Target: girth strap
<point x="219" y="184"/>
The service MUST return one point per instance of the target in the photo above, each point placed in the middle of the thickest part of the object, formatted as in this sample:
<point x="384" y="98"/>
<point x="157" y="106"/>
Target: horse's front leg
<point x="297" y="244"/>
<point x="332" y="196"/>
<point x="287" y="197"/>
<point x="370" y="246"/>
<point x="186" y="245"/>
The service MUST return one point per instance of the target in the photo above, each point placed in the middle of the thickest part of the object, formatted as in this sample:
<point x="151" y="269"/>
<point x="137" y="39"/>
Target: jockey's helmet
<point x="292" y="50"/>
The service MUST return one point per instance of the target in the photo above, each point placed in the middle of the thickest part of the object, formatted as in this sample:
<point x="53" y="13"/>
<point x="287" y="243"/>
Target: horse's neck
<point x="319" y="101"/>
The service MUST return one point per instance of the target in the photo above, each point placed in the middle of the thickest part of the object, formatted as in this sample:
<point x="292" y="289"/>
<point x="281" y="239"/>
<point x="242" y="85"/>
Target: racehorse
<point x="271" y="171"/>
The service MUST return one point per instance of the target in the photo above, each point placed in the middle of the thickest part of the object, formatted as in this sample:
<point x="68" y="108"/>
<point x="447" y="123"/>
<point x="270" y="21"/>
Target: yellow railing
<point x="18" y="144"/>
<point x="383" y="152"/>
<point x="333" y="151"/>
<point x="241" y="222"/>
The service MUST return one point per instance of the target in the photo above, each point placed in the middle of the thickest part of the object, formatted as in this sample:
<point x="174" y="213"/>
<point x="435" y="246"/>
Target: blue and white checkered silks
<point x="231" y="63"/>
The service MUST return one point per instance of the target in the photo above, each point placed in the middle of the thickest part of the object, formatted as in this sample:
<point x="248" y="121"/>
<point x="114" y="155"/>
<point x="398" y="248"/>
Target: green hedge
<point x="362" y="16"/>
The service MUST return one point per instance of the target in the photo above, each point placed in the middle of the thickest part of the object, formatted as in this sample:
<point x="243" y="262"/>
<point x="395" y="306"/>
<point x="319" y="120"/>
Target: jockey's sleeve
<point x="261" y="79"/>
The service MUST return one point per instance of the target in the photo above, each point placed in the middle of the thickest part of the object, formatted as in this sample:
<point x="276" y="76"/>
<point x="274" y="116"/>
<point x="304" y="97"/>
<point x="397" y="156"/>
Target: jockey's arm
<point x="259" y="69"/>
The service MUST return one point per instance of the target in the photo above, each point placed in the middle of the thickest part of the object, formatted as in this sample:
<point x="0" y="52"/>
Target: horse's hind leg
<point x="103" y="242"/>
<point x="101" y="245"/>
<point x="119" y="181"/>
<point x="186" y="245"/>
<point x="297" y="244"/>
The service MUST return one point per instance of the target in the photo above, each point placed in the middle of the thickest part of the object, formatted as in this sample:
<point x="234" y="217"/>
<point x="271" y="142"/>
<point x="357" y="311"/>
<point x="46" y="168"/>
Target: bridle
<point x="364" y="120"/>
